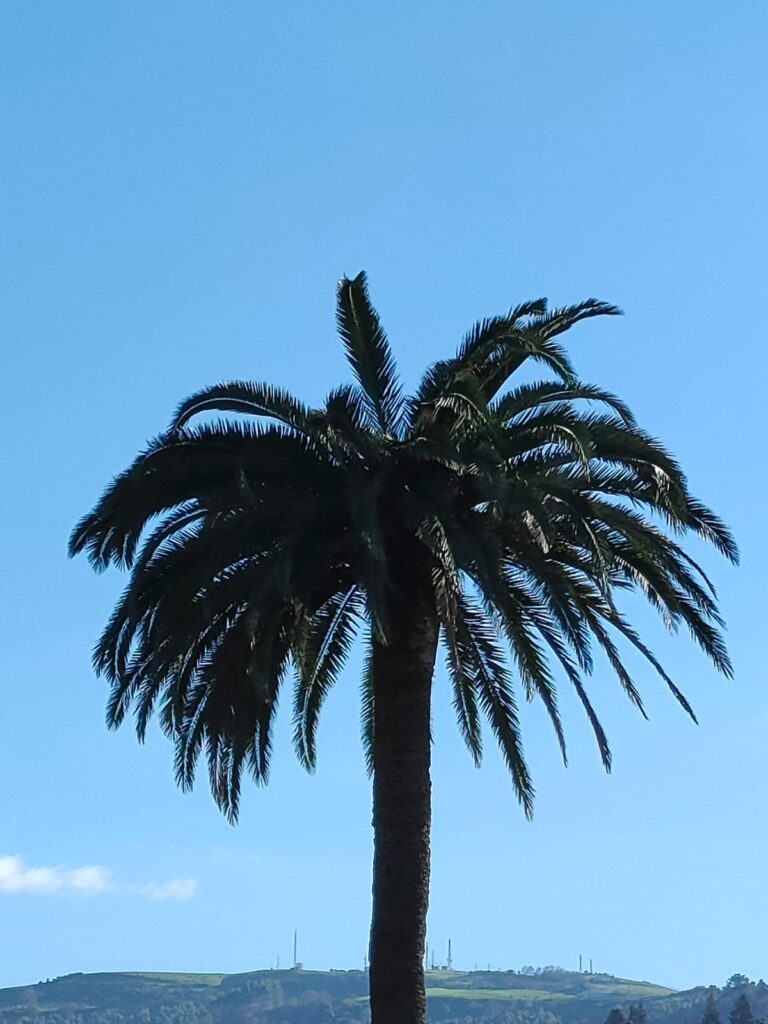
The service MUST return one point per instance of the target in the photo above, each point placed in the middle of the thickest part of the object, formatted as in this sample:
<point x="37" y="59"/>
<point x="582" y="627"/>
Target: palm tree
<point x="495" y="519"/>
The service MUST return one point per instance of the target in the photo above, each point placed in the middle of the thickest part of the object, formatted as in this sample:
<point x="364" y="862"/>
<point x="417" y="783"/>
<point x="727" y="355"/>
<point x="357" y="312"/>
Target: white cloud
<point x="18" y="877"/>
<point x="90" y="879"/>
<point x="176" y="889"/>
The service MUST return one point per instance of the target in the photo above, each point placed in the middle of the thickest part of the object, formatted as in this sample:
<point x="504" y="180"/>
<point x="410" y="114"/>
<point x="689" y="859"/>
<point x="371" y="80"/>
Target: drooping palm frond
<point x="234" y="463"/>
<point x="556" y="321"/>
<point x="265" y="541"/>
<point x="319" y="660"/>
<point x="230" y="711"/>
<point x="247" y="397"/>
<point x="464" y="682"/>
<point x="367" y="706"/>
<point x="484" y="663"/>
<point x="542" y="395"/>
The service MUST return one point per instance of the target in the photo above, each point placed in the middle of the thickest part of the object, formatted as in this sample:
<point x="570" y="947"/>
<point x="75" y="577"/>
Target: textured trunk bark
<point x="402" y="684"/>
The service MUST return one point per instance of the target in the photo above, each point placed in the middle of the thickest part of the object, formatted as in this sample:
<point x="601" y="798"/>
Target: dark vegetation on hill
<point x="340" y="997"/>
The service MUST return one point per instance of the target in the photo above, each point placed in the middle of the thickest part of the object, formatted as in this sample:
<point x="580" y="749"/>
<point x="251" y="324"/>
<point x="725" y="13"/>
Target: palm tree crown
<point x="265" y="540"/>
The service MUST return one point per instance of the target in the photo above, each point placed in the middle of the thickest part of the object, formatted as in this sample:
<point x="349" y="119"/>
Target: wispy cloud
<point x="176" y="889"/>
<point x="18" y="877"/>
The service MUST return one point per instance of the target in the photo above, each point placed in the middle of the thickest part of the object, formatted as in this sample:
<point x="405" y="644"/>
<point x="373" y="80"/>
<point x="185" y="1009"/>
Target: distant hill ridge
<point x="318" y="997"/>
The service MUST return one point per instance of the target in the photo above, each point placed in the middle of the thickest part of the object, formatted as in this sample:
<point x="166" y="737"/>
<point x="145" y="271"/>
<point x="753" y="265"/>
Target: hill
<point x="316" y="997"/>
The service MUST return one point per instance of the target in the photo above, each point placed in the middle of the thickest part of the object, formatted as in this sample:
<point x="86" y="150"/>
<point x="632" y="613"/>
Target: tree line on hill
<point x="740" y="1013"/>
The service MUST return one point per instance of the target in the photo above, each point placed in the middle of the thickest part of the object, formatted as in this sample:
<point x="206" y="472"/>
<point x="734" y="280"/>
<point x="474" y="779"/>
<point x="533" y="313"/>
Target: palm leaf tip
<point x="79" y="537"/>
<point x="91" y="535"/>
<point x="712" y="528"/>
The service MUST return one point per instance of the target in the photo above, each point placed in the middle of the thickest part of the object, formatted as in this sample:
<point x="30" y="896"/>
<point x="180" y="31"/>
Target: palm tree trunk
<point x="402" y="683"/>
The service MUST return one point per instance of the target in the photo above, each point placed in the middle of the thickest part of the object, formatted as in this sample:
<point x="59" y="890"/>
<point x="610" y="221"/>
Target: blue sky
<point x="182" y="184"/>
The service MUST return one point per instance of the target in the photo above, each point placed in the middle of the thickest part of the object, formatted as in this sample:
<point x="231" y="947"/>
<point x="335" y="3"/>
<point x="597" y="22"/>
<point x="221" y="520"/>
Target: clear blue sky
<point x="182" y="183"/>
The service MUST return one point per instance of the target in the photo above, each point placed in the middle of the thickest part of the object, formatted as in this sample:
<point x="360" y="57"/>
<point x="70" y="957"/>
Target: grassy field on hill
<point x="181" y="979"/>
<point x="526" y="995"/>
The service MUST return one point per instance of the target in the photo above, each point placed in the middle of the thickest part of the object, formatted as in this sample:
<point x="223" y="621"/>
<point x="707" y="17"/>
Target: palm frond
<point x="597" y="728"/>
<point x="231" y="712"/>
<point x="547" y="393"/>
<point x="369" y="353"/>
<point x="556" y="321"/>
<point x="346" y="430"/>
<point x="485" y="335"/>
<point x="484" y="659"/>
<point x="367" y="706"/>
<point x="507" y="609"/>
<point x="232" y="464"/>
<point x="247" y="397"/>
<point x="465" y="691"/>
<point x="495" y="373"/>
<point x="319" y="659"/>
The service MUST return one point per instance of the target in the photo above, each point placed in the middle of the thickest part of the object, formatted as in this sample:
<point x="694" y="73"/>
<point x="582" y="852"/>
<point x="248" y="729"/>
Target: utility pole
<point x="295" y="947"/>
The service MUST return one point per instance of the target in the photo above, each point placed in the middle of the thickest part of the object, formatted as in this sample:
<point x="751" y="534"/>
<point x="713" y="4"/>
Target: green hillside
<point x="318" y="997"/>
